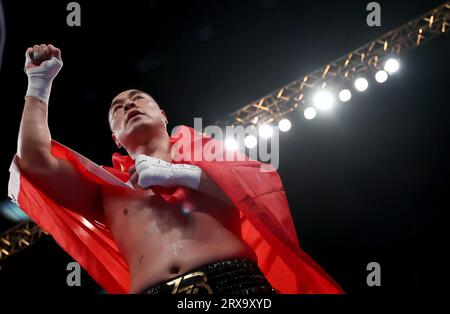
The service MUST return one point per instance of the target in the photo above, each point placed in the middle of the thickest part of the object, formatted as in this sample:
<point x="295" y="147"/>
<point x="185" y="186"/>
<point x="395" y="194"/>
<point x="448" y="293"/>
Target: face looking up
<point x="134" y="117"/>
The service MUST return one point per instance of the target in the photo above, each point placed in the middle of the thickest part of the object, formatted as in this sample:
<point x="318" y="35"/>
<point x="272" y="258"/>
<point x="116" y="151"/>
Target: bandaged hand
<point x="149" y="171"/>
<point x="42" y="64"/>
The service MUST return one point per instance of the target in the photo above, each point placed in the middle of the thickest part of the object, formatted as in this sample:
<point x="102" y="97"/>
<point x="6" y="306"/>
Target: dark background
<point x="368" y="182"/>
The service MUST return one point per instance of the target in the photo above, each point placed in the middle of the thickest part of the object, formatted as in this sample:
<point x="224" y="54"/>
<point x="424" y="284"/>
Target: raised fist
<point x="42" y="64"/>
<point x="39" y="54"/>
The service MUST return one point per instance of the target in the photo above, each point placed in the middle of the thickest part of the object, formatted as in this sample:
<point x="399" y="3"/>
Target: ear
<point x="164" y="115"/>
<point x="116" y="141"/>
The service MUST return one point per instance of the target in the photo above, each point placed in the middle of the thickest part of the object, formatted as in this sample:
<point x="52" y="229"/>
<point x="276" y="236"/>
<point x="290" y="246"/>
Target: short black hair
<point x="132" y="93"/>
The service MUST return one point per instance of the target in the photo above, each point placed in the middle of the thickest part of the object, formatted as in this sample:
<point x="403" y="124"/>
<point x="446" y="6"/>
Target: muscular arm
<point x="56" y="177"/>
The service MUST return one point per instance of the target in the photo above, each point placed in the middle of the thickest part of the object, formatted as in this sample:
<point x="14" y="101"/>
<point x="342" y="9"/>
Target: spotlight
<point x="381" y="76"/>
<point x="265" y="131"/>
<point x="323" y="100"/>
<point x="361" y="84"/>
<point x="310" y="113"/>
<point x="250" y="141"/>
<point x="345" y="95"/>
<point x="284" y="125"/>
<point x="231" y="143"/>
<point x="391" y="65"/>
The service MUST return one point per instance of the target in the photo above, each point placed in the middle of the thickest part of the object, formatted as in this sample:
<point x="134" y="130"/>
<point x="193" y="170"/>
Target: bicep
<point x="61" y="182"/>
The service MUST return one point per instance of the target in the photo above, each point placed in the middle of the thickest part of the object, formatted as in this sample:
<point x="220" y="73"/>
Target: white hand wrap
<point x="40" y="78"/>
<point x="154" y="171"/>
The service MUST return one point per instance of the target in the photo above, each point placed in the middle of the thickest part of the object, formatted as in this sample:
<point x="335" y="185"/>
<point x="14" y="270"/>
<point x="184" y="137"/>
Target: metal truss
<point x="18" y="238"/>
<point x="366" y="59"/>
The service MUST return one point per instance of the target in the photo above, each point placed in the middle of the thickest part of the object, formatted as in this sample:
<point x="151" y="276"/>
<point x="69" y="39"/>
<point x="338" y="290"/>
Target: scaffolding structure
<point x="366" y="59"/>
<point x="19" y="237"/>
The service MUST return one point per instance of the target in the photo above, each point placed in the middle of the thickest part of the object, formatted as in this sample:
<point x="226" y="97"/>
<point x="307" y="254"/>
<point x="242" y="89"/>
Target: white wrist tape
<point x="40" y="78"/>
<point x="154" y="171"/>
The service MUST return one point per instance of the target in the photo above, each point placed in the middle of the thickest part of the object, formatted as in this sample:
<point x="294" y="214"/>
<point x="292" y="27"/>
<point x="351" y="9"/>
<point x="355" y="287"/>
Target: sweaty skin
<point x="157" y="240"/>
<point x="160" y="241"/>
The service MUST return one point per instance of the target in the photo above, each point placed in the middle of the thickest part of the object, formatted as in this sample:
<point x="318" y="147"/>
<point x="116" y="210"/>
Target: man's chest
<point x="129" y="209"/>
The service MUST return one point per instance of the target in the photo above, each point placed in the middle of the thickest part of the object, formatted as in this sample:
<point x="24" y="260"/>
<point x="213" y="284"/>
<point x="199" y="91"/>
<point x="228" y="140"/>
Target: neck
<point x="158" y="147"/>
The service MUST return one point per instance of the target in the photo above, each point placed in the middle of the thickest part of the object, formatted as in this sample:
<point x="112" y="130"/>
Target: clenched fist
<point x="42" y="64"/>
<point x="150" y="171"/>
<point x="39" y="54"/>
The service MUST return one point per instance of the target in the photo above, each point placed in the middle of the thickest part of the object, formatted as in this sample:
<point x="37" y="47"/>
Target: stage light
<point x="231" y="143"/>
<point x="381" y="76"/>
<point x="345" y="95"/>
<point x="323" y="100"/>
<point x="284" y="125"/>
<point x="250" y="141"/>
<point x="310" y="113"/>
<point x="391" y="65"/>
<point x="361" y="84"/>
<point x="265" y="131"/>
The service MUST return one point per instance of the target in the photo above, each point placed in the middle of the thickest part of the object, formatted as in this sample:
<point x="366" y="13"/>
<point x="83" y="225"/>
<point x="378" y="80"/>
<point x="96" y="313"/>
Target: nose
<point x="128" y="105"/>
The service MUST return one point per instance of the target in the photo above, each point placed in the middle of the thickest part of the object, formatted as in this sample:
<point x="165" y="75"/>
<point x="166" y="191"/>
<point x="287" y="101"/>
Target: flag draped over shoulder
<point x="254" y="188"/>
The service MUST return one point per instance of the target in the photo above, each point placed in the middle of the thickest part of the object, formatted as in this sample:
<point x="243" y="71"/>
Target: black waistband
<point x="231" y="276"/>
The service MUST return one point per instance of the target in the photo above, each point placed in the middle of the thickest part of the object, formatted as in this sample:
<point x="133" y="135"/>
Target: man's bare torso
<point x="160" y="241"/>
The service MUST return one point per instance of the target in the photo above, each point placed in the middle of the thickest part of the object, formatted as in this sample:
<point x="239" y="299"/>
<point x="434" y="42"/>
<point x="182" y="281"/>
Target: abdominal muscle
<point x="160" y="241"/>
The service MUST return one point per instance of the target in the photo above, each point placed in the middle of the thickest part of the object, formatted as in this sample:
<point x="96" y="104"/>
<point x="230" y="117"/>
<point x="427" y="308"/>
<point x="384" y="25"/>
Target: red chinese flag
<point x="266" y="221"/>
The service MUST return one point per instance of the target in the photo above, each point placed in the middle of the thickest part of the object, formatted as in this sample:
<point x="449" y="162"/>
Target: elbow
<point x="36" y="163"/>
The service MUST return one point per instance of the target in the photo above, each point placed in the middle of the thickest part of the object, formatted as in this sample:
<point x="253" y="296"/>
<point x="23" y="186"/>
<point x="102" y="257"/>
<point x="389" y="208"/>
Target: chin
<point x="142" y="128"/>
